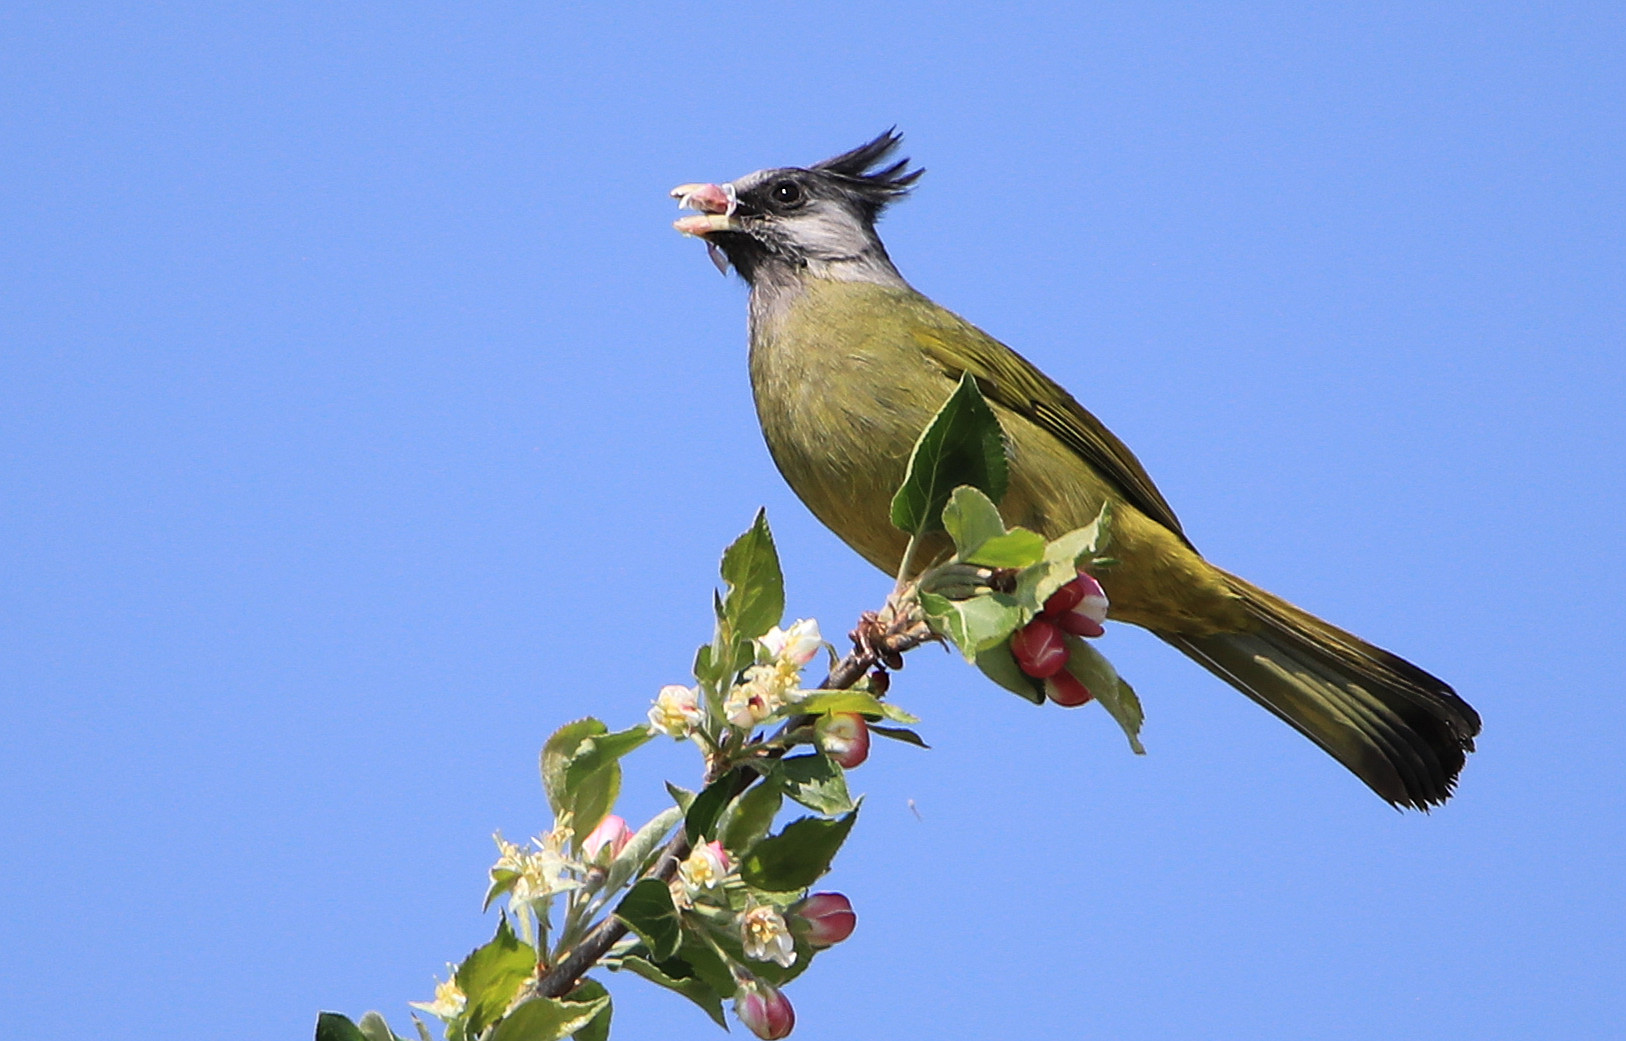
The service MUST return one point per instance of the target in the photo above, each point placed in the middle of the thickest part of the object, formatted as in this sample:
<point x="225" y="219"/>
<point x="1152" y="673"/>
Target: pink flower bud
<point x="1080" y="624"/>
<point x="1063" y="600"/>
<point x="1092" y="607"/>
<point x="764" y="1010"/>
<point x="1065" y="690"/>
<point x="717" y="851"/>
<point x="844" y="737"/>
<point x="1039" y="649"/>
<point x="829" y="918"/>
<point x="1079" y="607"/>
<point x="611" y="834"/>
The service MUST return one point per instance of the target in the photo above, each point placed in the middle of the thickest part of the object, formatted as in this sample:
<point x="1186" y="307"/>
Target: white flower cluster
<point x="763" y="932"/>
<point x="776" y="678"/>
<point x="768" y="686"/>
<point x="542" y="872"/>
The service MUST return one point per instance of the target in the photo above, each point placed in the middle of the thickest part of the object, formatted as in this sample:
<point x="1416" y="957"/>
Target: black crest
<point x="860" y="172"/>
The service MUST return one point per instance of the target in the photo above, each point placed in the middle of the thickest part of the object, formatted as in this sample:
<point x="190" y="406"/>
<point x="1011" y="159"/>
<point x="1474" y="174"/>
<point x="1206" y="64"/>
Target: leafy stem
<point x="866" y="654"/>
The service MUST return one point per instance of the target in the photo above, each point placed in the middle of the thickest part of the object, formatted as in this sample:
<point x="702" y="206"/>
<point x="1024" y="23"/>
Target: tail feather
<point x="1402" y="731"/>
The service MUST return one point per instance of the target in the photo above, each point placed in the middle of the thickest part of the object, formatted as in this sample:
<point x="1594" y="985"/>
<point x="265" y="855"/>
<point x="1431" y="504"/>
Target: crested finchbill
<point x="849" y="362"/>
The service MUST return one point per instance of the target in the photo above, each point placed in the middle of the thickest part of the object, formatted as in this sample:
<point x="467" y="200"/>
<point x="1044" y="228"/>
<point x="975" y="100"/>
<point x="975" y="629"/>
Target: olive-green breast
<point x="842" y="394"/>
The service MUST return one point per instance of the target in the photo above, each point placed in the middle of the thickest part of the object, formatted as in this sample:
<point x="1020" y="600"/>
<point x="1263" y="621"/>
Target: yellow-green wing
<point x="1011" y="380"/>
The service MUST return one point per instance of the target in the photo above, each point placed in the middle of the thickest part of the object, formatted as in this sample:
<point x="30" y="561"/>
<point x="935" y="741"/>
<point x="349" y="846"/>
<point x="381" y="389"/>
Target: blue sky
<point x="364" y="420"/>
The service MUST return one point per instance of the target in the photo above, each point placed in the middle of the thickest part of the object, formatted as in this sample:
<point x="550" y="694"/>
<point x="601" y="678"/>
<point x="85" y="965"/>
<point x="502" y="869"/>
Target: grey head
<point x="779" y="225"/>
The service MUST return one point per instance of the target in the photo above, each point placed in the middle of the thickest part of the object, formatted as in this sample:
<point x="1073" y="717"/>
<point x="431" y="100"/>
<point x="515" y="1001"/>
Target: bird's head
<point x="819" y="218"/>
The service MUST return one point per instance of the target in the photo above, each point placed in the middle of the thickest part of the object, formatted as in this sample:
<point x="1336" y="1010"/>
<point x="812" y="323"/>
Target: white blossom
<point x="449" y="998"/>
<point x="794" y="646"/>
<point x="542" y="872"/>
<point x="676" y="711"/>
<point x="705" y="868"/>
<point x="764" y="692"/>
<point x="765" y="936"/>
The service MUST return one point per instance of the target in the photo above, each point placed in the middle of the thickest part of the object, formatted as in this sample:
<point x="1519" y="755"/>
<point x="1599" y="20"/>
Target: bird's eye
<point x="786" y="193"/>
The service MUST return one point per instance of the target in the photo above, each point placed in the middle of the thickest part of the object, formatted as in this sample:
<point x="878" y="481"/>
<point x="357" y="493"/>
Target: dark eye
<point x="786" y="193"/>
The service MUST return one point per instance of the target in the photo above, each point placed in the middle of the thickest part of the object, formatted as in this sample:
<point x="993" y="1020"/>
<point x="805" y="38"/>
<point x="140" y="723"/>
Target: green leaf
<point x="814" y="781"/>
<point x="973" y="625"/>
<point x="798" y="855"/>
<point x="640" y="848"/>
<point x="374" y="1028"/>
<point x="1092" y="669"/>
<point x="682" y="796"/>
<point x="557" y="754"/>
<point x="999" y="664"/>
<point x="721" y="666"/>
<point x="700" y="820"/>
<point x="898" y="715"/>
<point x="704" y="670"/>
<point x="648" y="911"/>
<point x="680" y="977"/>
<point x="502" y="881"/>
<point x="822" y="701"/>
<point x="598" y="1029"/>
<point x="750" y="817"/>
<point x="1061" y="560"/>
<point x="549" y="1019"/>
<point x="756" y="589"/>
<point x="904" y="734"/>
<point x="1018" y="548"/>
<point x="705" y="963"/>
<point x="963" y="444"/>
<point x="971" y="519"/>
<point x="973" y="522"/>
<point x="594" y="797"/>
<point x="1101" y="533"/>
<point x="1124" y="705"/>
<point x="581" y="769"/>
<point x="608" y="748"/>
<point x="491" y="975"/>
<point x="593" y="775"/>
<point x="714" y="676"/>
<point x="330" y="1026"/>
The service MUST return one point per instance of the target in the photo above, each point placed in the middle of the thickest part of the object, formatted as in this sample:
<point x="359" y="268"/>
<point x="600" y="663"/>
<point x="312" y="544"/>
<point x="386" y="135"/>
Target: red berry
<point x="1080" y="624"/>
<point x="1039" y="649"/>
<point x="1065" y="690"/>
<point x="1064" y="599"/>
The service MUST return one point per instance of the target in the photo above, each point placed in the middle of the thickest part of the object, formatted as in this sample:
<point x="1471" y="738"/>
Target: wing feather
<point x="1012" y="381"/>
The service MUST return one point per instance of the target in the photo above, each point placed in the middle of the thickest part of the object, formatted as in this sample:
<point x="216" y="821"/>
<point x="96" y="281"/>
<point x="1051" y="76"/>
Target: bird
<point x="848" y="363"/>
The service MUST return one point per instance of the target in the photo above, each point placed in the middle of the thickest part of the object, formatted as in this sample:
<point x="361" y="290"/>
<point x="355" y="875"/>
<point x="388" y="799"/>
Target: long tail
<point x="1399" y="729"/>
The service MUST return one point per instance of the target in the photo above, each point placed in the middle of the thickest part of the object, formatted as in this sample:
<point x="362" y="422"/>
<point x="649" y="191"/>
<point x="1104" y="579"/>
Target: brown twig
<point x="875" y="642"/>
